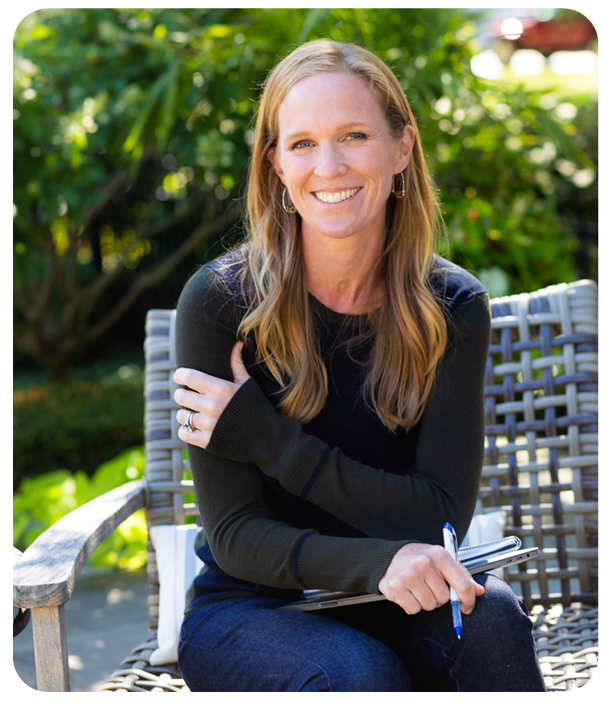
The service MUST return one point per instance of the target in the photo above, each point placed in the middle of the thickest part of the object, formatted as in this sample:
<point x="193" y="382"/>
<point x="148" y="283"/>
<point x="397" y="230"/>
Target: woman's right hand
<point x="418" y="577"/>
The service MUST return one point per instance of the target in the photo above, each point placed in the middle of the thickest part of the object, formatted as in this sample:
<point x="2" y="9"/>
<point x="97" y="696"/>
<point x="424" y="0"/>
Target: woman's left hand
<point x="207" y="398"/>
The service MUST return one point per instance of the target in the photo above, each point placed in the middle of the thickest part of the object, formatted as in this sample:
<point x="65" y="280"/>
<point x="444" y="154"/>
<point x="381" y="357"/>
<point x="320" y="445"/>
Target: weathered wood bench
<point x="541" y="469"/>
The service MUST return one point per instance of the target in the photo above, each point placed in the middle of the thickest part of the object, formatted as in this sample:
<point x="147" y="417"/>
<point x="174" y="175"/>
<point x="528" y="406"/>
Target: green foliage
<point x="167" y="97"/>
<point x="44" y="500"/>
<point x="76" y="425"/>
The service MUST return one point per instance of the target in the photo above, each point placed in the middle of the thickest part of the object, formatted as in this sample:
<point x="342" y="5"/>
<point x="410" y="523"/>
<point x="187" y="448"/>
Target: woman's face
<point x="336" y="156"/>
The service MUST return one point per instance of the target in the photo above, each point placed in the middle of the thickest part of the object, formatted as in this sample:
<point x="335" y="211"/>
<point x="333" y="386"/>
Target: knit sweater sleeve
<point x="412" y="506"/>
<point x="245" y="541"/>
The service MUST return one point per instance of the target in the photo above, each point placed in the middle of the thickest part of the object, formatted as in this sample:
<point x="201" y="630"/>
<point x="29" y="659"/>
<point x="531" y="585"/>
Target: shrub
<point x="76" y="425"/>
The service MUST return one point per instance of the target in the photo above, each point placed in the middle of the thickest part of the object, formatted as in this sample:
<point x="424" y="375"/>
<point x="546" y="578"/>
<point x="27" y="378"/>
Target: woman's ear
<point x="405" y="149"/>
<point x="272" y="157"/>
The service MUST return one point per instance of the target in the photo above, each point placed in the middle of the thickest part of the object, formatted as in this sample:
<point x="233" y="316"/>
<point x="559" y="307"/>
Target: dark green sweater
<point x="326" y="505"/>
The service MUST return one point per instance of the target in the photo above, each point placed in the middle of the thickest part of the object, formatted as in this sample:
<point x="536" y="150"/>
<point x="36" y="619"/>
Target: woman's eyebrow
<point x="291" y="137"/>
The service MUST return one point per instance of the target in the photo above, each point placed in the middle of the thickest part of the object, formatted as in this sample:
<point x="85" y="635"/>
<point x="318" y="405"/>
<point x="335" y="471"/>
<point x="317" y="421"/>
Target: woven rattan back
<point x="542" y="435"/>
<point x="541" y="455"/>
<point x="167" y="471"/>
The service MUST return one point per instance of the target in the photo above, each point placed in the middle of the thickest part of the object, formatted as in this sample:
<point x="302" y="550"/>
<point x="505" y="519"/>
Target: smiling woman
<point x="333" y="407"/>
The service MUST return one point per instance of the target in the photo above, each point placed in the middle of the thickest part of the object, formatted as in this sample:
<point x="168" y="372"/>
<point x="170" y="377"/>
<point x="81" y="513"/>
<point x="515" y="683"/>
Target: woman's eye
<point x="356" y="136"/>
<point x="301" y="144"/>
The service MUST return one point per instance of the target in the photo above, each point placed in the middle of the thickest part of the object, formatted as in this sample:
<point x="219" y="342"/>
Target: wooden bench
<point x="540" y="468"/>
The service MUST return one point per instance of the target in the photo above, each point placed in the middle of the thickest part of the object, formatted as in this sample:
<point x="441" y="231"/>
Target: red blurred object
<point x="556" y="35"/>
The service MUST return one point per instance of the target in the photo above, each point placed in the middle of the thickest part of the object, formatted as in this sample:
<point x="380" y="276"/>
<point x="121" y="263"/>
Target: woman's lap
<point x="245" y="644"/>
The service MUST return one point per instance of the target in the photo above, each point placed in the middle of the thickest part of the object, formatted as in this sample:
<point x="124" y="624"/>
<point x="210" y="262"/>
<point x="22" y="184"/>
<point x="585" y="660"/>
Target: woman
<point x="333" y="410"/>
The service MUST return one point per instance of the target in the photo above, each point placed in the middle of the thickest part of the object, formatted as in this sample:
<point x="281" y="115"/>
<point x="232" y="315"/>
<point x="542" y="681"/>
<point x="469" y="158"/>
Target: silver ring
<point x="188" y="424"/>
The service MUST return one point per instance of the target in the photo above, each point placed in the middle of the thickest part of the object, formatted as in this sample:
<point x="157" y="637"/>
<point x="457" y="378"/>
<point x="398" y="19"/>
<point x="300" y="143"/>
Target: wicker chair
<point x="541" y="469"/>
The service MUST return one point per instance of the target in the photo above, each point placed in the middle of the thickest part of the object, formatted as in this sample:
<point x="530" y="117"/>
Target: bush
<point x="76" y="425"/>
<point x="47" y="498"/>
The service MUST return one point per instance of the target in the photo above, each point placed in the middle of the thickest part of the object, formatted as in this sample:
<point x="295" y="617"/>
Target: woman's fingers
<point x="478" y="588"/>
<point x="463" y="583"/>
<point x="210" y="403"/>
<point x="439" y="588"/>
<point x="412" y="597"/>
<point x="240" y="374"/>
<point x="198" y="381"/>
<point x="409" y="603"/>
<point x="199" y="436"/>
<point x="198" y="421"/>
<point x="207" y="397"/>
<point x="418" y="577"/>
<point x="204" y="383"/>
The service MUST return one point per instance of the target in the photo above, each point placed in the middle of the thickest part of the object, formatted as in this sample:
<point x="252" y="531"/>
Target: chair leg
<point x="51" y="649"/>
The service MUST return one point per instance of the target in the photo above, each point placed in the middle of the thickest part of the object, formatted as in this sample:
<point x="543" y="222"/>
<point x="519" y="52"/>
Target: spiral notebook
<point x="476" y="559"/>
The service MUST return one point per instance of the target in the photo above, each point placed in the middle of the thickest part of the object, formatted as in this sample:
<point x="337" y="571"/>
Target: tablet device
<point x="324" y="599"/>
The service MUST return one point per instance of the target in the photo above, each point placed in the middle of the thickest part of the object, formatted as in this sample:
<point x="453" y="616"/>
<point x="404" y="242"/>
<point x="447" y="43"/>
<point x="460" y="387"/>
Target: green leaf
<point x="134" y="139"/>
<point x="168" y="111"/>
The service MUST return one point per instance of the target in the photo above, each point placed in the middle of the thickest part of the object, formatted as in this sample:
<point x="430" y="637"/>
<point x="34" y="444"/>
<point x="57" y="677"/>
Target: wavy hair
<point x="408" y="331"/>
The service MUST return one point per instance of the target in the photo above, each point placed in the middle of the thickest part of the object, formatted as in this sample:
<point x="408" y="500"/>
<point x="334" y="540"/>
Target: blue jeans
<point x="243" y="644"/>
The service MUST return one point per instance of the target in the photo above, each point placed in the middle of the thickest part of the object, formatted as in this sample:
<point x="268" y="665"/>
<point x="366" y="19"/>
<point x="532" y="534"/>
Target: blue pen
<point x="450" y="543"/>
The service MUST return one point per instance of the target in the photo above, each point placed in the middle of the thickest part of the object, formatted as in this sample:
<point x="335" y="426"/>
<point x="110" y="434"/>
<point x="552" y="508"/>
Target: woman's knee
<point x="499" y="611"/>
<point x="500" y="651"/>
<point x="501" y="627"/>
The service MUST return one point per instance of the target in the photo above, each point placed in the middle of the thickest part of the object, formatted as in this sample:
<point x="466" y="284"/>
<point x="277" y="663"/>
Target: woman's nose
<point x="330" y="164"/>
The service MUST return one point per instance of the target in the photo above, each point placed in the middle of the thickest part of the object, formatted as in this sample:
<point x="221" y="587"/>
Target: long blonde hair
<point x="409" y="328"/>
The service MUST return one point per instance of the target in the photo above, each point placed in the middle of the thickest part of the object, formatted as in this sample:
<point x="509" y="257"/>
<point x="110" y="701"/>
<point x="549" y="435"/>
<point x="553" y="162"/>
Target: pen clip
<point x="451" y="530"/>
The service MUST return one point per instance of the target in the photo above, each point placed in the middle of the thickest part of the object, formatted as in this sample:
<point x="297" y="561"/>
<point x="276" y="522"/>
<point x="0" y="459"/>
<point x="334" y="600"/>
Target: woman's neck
<point x="339" y="272"/>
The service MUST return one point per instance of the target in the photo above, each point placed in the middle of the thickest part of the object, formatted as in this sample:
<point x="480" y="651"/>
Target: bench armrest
<point x="45" y="574"/>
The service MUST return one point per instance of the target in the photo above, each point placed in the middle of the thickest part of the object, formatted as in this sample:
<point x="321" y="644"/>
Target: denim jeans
<point x="244" y="644"/>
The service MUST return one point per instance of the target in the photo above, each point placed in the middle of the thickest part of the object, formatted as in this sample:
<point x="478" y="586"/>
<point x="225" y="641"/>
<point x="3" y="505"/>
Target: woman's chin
<point x="339" y="229"/>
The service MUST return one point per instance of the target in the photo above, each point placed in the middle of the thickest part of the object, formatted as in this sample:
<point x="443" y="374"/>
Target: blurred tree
<point x="132" y="130"/>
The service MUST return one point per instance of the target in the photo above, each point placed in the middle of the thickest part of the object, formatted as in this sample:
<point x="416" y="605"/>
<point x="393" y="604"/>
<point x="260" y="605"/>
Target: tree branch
<point x="149" y="231"/>
<point x="116" y="183"/>
<point x="42" y="304"/>
<point x="73" y="296"/>
<point x="92" y="293"/>
<point x="156" y="275"/>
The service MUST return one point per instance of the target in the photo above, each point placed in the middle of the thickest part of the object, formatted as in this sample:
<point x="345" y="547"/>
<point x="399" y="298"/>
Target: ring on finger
<point x="188" y="424"/>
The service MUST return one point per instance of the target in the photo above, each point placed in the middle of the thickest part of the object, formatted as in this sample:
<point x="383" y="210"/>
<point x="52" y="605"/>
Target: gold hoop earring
<point x="289" y="209"/>
<point x="398" y="194"/>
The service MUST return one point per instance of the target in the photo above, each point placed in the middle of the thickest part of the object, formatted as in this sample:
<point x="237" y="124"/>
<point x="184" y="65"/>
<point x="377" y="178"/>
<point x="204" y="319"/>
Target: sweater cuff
<point x="250" y="430"/>
<point x="344" y="564"/>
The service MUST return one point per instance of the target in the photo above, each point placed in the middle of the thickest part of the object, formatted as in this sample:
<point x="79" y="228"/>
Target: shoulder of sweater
<point x="453" y="285"/>
<point x="208" y="292"/>
<point x="230" y="266"/>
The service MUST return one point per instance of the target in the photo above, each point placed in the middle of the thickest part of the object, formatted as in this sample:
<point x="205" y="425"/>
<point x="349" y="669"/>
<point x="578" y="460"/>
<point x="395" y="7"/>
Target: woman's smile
<point x="336" y="197"/>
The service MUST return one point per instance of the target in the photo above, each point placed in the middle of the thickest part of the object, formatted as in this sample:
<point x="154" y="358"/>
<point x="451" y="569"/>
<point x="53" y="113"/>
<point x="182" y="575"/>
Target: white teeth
<point x="335" y="197"/>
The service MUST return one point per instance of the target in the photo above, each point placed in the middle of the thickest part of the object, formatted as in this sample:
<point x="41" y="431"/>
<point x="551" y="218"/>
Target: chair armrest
<point x="45" y="574"/>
